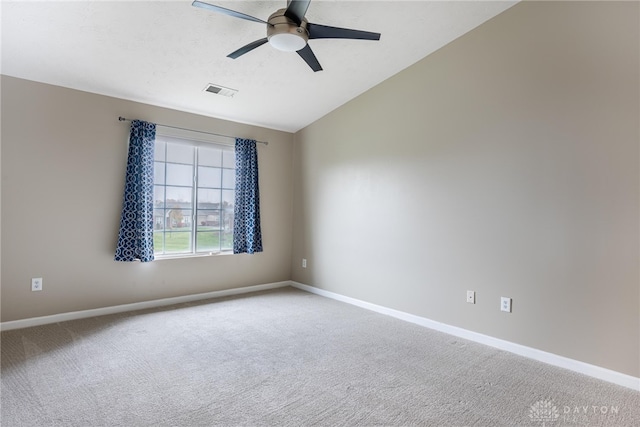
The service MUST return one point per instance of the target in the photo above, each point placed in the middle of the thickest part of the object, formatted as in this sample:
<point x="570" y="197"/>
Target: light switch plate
<point x="471" y="297"/>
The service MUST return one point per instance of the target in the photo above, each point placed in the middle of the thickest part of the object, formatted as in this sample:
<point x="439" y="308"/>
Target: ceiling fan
<point x="289" y="30"/>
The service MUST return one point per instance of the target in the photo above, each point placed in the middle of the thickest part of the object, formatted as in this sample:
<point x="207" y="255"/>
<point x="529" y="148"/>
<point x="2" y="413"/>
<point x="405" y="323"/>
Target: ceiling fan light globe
<point x="287" y="42"/>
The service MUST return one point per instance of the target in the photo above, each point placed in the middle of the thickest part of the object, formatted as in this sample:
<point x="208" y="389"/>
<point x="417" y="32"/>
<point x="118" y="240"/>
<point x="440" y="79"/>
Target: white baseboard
<point x="62" y="317"/>
<point x="521" y="350"/>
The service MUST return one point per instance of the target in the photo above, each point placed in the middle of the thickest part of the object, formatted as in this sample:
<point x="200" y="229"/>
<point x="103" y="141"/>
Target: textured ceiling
<point x="165" y="52"/>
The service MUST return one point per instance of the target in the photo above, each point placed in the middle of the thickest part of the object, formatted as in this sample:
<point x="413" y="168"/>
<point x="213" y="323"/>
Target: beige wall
<point x="63" y="162"/>
<point x="505" y="163"/>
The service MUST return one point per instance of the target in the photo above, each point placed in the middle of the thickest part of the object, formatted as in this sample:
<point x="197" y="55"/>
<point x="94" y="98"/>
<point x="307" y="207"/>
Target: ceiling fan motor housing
<point x="284" y="34"/>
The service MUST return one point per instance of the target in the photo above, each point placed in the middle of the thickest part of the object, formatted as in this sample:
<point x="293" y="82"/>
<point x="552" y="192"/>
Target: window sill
<point x="198" y="255"/>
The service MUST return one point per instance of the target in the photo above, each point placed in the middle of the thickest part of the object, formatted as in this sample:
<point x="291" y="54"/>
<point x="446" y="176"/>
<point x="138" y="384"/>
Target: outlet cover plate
<point x="36" y="284"/>
<point x="505" y="304"/>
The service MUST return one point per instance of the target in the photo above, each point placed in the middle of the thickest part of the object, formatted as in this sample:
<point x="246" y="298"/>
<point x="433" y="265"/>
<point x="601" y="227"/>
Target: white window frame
<point x="196" y="140"/>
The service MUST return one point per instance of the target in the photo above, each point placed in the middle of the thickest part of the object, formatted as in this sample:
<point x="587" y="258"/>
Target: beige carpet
<point x="280" y="358"/>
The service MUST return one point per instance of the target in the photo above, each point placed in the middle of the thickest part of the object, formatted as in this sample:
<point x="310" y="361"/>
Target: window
<point x="194" y="194"/>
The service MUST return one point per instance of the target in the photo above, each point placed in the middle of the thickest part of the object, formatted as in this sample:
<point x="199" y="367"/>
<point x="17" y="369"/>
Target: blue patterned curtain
<point x="135" y="241"/>
<point x="247" y="237"/>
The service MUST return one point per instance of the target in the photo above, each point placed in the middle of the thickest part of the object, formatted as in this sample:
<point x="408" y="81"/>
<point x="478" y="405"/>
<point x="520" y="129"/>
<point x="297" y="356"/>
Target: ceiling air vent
<point x="220" y="90"/>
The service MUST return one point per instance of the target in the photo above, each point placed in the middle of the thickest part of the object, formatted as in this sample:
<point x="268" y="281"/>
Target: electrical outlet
<point x="304" y="263"/>
<point x="36" y="284"/>
<point x="471" y="297"/>
<point x="505" y="304"/>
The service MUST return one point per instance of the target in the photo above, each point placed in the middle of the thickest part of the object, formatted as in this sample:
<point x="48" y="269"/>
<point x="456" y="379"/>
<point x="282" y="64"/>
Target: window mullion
<point x="194" y="208"/>
<point x="164" y="201"/>
<point x="220" y="206"/>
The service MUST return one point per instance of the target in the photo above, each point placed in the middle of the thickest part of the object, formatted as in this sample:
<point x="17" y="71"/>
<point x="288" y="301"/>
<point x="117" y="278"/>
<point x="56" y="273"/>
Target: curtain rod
<point x="123" y="119"/>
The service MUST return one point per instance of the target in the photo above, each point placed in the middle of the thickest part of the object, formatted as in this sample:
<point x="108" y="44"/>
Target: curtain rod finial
<point x="121" y="119"/>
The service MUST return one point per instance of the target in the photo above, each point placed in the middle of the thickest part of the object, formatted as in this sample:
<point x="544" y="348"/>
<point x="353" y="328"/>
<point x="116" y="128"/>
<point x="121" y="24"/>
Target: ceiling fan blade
<point x="228" y="12"/>
<point x="307" y="54"/>
<point x="247" y="48"/>
<point x="317" y="31"/>
<point x="296" y="9"/>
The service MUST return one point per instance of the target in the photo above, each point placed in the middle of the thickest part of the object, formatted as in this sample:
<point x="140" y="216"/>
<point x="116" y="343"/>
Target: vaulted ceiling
<point x="166" y="52"/>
